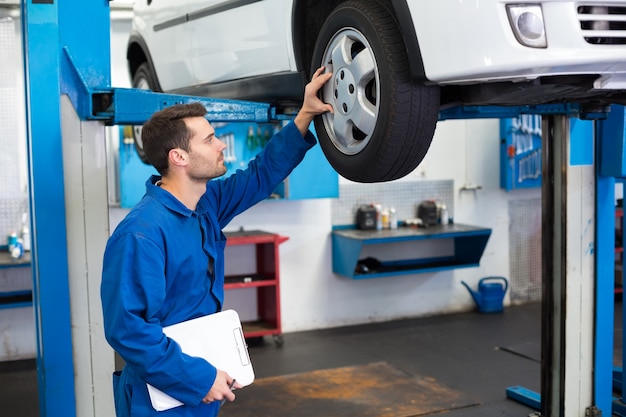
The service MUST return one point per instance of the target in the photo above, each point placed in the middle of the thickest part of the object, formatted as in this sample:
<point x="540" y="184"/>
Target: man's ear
<point x="178" y="157"/>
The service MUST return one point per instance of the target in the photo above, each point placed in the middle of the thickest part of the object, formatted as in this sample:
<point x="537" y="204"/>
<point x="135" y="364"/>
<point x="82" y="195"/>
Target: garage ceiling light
<point x="527" y="24"/>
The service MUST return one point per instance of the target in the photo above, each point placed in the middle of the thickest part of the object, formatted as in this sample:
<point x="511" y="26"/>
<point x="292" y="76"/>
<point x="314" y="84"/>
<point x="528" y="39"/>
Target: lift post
<point x="51" y="298"/>
<point x="578" y="199"/>
<point x="611" y="166"/>
<point x="568" y="238"/>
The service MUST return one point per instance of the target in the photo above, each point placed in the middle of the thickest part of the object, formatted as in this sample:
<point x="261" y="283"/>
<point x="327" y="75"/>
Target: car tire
<point x="383" y="120"/>
<point x="144" y="79"/>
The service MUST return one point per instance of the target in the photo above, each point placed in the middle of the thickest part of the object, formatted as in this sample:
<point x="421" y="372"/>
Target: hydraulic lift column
<point x="568" y="236"/>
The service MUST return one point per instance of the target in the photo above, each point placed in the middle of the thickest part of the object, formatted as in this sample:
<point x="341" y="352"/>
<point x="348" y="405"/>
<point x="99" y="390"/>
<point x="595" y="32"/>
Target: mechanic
<point x="155" y="270"/>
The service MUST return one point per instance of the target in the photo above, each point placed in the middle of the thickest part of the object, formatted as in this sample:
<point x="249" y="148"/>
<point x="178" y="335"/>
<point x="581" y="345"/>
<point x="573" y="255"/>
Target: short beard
<point x="206" y="178"/>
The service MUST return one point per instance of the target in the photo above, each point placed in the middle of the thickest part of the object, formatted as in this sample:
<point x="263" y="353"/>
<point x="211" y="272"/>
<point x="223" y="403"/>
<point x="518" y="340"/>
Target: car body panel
<point x="215" y="40"/>
<point x="169" y="43"/>
<point x="475" y="43"/>
<point x="261" y="43"/>
<point x="472" y="42"/>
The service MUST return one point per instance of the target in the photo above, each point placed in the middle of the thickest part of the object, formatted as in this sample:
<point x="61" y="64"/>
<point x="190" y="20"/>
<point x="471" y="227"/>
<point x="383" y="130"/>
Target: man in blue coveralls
<point x="164" y="263"/>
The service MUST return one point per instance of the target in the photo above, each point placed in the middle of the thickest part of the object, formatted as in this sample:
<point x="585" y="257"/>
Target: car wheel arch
<point x="138" y="53"/>
<point x="407" y="29"/>
<point x="314" y="13"/>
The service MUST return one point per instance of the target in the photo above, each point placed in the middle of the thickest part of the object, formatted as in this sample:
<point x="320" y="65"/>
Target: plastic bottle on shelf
<point x="379" y="216"/>
<point x="444" y="214"/>
<point x="385" y="216"/>
<point x="25" y="233"/>
<point x="393" y="218"/>
<point x="11" y="241"/>
<point x="15" y="247"/>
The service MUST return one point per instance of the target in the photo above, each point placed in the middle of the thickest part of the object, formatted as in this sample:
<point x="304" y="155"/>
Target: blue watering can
<point x="490" y="294"/>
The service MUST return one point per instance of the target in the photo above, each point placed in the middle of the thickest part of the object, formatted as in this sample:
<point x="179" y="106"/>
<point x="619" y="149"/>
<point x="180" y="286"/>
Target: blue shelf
<point x="16" y="299"/>
<point x="7" y="262"/>
<point x="349" y="243"/>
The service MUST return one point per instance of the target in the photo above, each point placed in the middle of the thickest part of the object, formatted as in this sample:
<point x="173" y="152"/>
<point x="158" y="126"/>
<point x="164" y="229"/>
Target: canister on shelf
<point x="366" y="217"/>
<point x="427" y="211"/>
<point x="11" y="241"/>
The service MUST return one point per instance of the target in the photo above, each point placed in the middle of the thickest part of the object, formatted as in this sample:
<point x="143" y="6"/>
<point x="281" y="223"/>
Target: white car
<point x="395" y="63"/>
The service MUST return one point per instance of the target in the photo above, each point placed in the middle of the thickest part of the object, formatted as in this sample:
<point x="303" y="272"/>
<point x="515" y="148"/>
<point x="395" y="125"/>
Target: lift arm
<point x="130" y="106"/>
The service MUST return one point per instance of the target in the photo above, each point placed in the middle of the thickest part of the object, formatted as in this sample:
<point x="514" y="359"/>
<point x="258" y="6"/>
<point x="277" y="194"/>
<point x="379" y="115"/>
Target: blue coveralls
<point x="164" y="264"/>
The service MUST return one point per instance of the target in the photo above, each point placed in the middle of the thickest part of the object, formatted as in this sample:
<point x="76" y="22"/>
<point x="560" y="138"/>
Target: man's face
<point x="206" y="157"/>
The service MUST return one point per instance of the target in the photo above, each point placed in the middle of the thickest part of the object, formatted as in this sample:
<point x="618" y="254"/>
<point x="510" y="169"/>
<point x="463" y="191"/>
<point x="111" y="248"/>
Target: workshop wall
<point x="465" y="152"/>
<point x="314" y="297"/>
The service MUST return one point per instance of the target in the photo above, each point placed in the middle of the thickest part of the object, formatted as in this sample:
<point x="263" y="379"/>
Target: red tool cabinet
<point x="265" y="279"/>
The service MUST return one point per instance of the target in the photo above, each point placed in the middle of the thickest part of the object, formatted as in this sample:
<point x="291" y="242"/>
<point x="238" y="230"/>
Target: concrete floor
<point x="461" y="351"/>
<point x="476" y="354"/>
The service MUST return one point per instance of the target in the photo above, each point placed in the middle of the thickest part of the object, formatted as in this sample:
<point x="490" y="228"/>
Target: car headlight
<point x="527" y="24"/>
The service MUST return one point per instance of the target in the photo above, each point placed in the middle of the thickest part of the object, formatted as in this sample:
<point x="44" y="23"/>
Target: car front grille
<point x="603" y="24"/>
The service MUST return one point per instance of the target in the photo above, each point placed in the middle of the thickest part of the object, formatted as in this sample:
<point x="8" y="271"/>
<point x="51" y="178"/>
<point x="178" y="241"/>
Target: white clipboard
<point x="219" y="339"/>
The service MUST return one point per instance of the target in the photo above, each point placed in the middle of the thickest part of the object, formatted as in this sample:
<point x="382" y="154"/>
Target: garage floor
<point x="474" y="354"/>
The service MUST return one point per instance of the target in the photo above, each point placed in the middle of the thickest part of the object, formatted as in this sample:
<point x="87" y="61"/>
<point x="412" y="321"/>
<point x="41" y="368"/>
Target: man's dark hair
<point x="166" y="130"/>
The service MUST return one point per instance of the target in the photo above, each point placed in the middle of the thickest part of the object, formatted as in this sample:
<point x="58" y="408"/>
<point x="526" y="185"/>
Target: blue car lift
<point x="70" y="102"/>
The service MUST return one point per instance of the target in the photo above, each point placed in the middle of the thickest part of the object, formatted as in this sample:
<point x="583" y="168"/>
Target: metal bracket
<point x="130" y="106"/>
<point x="504" y="112"/>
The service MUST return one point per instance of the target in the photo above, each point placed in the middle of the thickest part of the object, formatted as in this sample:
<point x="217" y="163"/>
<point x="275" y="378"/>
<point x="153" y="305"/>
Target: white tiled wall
<point x="404" y="196"/>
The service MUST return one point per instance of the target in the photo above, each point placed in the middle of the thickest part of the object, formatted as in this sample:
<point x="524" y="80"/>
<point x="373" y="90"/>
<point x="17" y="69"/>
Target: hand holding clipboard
<point x="217" y="338"/>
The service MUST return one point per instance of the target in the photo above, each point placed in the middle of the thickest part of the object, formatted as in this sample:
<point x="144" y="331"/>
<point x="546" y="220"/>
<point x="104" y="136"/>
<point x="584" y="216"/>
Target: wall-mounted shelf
<point x="461" y="246"/>
<point x="20" y="298"/>
<point x="16" y="299"/>
<point x="7" y="262"/>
